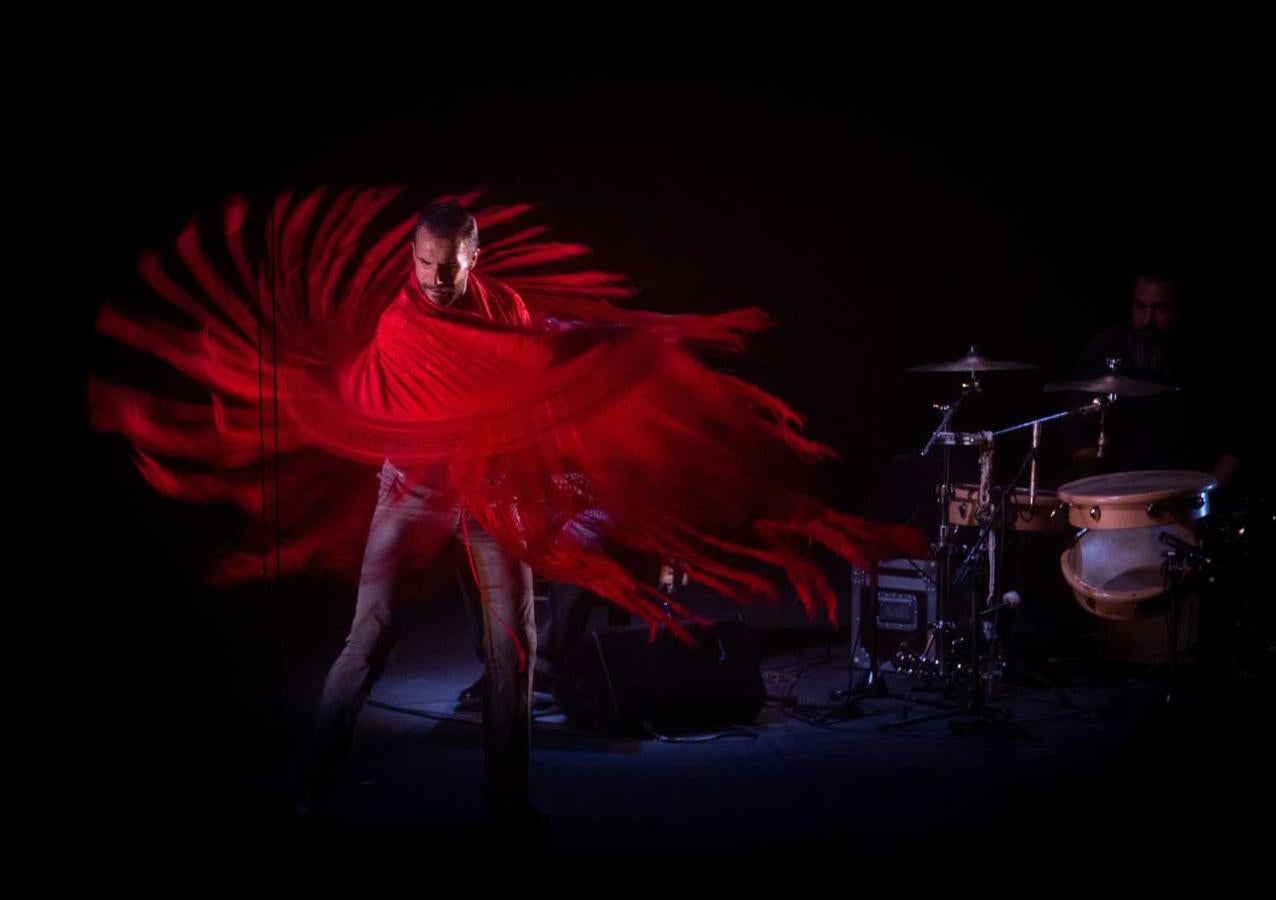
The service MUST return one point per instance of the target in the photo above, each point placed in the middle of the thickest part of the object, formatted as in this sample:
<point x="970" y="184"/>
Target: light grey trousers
<point x="412" y="527"/>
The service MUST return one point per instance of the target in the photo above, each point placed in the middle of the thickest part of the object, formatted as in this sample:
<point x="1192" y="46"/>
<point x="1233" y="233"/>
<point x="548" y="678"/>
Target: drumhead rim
<point x="1069" y="492"/>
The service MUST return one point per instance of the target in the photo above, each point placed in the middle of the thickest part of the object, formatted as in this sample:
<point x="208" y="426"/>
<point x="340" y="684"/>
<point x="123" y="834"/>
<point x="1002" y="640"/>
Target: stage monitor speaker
<point x="620" y="682"/>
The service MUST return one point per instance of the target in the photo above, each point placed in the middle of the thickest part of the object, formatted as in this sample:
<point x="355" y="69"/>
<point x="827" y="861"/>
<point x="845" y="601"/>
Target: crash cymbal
<point x="1112" y="384"/>
<point x="973" y="362"/>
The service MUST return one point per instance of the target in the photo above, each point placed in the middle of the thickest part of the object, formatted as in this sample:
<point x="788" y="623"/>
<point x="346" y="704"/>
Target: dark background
<point x="886" y="211"/>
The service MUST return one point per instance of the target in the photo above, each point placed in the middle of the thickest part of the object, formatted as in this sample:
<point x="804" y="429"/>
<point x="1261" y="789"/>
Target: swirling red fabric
<point x="543" y="404"/>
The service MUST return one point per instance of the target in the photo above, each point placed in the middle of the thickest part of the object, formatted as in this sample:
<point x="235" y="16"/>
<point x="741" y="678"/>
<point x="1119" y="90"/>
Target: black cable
<point x="425" y="714"/>
<point x="473" y="720"/>
<point x="735" y="731"/>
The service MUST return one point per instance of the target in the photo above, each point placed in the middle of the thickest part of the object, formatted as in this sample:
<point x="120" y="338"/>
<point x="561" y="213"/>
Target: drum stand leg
<point x="874" y="687"/>
<point x="975" y="715"/>
<point x="979" y="715"/>
<point x="1175" y="576"/>
<point x="1176" y="607"/>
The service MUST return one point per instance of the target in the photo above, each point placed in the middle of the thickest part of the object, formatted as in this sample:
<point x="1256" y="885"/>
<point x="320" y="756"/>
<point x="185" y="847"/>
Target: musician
<point x="1181" y="429"/>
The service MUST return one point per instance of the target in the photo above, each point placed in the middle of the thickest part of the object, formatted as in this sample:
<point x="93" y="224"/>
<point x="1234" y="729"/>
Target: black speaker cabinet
<point x="621" y="682"/>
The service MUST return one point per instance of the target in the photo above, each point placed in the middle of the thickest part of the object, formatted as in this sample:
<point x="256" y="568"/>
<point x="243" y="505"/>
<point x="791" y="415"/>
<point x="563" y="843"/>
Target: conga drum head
<point x="1137" y="499"/>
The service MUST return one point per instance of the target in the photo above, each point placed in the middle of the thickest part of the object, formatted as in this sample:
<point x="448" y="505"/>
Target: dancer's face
<point x="442" y="266"/>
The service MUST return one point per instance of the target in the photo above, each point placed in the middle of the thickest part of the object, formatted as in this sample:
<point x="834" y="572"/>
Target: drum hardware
<point x="934" y="661"/>
<point x="982" y="717"/>
<point x="1187" y="551"/>
<point x="1182" y="562"/>
<point x="1112" y="385"/>
<point x="950" y="658"/>
<point x="1158" y="508"/>
<point x="893" y="597"/>
<point x="1239" y="540"/>
<point x="1138" y="542"/>
<point x="943" y="546"/>
<point x="994" y="662"/>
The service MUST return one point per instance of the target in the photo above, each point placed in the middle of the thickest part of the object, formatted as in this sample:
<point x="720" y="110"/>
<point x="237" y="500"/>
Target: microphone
<point x="1009" y="600"/>
<point x="1181" y="546"/>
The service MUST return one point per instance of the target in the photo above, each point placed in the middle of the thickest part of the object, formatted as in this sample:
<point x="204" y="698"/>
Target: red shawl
<point x="319" y="357"/>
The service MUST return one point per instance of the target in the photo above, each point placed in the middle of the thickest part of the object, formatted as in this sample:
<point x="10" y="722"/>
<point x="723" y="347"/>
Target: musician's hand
<point x="1226" y="469"/>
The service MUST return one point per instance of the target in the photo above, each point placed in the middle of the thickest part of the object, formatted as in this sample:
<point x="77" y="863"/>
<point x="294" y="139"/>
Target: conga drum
<point x="1114" y="567"/>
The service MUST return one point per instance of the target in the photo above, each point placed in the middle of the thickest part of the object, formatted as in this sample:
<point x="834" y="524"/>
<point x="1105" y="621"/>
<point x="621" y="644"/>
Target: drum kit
<point x="1134" y="555"/>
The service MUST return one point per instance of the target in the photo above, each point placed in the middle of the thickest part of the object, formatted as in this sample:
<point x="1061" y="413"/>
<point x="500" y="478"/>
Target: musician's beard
<point x="1152" y="355"/>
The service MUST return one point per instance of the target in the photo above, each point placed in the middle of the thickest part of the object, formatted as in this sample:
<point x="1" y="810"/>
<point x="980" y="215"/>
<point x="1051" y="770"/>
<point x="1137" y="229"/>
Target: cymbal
<point x="973" y="362"/>
<point x="1112" y="384"/>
